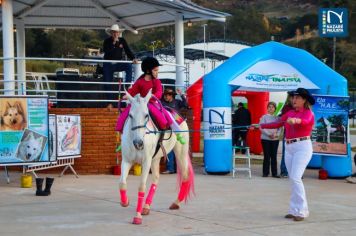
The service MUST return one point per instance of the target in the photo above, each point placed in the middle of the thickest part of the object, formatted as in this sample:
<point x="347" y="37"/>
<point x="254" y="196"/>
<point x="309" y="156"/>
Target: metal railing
<point x="73" y="90"/>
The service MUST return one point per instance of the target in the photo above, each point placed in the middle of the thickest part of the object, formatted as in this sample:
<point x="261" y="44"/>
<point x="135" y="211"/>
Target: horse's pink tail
<point x="186" y="186"/>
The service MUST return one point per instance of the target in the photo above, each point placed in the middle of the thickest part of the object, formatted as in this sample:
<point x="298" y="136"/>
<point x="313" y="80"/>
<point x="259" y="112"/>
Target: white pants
<point x="297" y="157"/>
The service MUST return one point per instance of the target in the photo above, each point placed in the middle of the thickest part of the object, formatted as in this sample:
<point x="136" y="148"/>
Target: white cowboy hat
<point x="114" y="27"/>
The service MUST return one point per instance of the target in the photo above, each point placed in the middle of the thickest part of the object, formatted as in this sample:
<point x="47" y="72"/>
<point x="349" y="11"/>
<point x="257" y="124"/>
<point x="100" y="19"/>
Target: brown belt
<point x="289" y="141"/>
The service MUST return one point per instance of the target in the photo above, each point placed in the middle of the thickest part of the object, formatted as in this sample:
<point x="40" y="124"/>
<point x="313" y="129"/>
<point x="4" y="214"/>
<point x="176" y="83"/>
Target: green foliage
<point x="42" y="66"/>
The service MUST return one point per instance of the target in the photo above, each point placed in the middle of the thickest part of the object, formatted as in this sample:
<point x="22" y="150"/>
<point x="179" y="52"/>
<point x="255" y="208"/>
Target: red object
<point x="323" y="174"/>
<point x="117" y="170"/>
<point x="194" y="99"/>
<point x="257" y="105"/>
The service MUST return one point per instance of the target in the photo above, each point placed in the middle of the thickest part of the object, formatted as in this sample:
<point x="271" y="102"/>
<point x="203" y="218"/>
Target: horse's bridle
<point x="140" y="126"/>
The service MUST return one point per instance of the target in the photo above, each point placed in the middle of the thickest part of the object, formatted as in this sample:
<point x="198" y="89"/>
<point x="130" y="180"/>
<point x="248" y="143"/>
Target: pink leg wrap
<point x="151" y="193"/>
<point x="183" y="192"/>
<point x="123" y="195"/>
<point x="141" y="196"/>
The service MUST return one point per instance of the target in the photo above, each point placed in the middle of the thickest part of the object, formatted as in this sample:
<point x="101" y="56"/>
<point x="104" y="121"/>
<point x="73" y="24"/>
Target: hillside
<point x="294" y="22"/>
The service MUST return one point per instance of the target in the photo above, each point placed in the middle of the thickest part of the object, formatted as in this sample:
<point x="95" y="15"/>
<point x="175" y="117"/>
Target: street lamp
<point x="153" y="48"/>
<point x="205" y="25"/>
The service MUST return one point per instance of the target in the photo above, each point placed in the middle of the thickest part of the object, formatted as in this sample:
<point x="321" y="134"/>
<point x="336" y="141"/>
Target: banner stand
<point x="7" y="177"/>
<point x="67" y="163"/>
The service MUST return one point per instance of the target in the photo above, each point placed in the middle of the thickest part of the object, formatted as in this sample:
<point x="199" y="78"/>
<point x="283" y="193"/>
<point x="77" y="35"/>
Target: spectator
<point x="287" y="107"/>
<point x="176" y="104"/>
<point x="270" y="141"/>
<point x="113" y="47"/>
<point x="241" y="117"/>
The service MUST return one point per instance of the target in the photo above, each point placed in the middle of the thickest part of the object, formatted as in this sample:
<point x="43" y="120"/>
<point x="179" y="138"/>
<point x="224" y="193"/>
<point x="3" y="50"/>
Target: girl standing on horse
<point x="147" y="81"/>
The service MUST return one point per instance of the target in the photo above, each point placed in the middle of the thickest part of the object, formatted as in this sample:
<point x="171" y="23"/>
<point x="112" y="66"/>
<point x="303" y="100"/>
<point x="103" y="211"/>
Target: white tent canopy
<point x="96" y="14"/>
<point x="132" y="15"/>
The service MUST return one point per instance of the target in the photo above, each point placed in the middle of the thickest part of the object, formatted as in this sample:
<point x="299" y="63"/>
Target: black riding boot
<point x="39" y="184"/>
<point x="49" y="182"/>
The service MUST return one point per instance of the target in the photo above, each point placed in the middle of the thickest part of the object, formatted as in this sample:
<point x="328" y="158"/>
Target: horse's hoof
<point x="137" y="221"/>
<point x="174" y="206"/>
<point x="145" y="211"/>
<point x="124" y="204"/>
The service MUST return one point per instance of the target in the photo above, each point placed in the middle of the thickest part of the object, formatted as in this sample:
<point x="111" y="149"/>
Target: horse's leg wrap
<point x="151" y="193"/>
<point x="140" y="198"/>
<point x="183" y="192"/>
<point x="123" y="196"/>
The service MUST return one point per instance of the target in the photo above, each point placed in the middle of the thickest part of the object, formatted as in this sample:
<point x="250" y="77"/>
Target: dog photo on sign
<point x="31" y="146"/>
<point x="13" y="113"/>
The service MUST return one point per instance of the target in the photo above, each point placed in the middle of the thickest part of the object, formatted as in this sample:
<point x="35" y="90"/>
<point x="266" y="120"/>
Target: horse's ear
<point x="148" y="96"/>
<point x="129" y="96"/>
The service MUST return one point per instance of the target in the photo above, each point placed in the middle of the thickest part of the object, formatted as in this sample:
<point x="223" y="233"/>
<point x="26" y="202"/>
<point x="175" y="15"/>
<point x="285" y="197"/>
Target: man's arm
<point x="127" y="49"/>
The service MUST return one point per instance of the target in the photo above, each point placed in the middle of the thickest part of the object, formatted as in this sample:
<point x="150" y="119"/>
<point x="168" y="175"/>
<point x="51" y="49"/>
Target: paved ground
<point x="222" y="206"/>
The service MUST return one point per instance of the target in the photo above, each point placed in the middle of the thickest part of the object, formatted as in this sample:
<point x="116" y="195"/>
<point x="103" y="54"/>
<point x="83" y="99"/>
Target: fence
<point x="69" y="88"/>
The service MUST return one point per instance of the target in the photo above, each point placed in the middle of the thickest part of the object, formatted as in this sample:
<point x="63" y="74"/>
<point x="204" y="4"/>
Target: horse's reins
<point x="140" y="126"/>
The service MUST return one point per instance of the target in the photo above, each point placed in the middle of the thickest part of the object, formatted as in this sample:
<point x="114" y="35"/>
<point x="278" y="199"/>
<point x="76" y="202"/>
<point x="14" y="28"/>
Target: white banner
<point x="272" y="75"/>
<point x="217" y="123"/>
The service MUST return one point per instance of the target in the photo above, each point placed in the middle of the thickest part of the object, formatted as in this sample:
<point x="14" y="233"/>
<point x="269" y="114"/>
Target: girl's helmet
<point x="148" y="64"/>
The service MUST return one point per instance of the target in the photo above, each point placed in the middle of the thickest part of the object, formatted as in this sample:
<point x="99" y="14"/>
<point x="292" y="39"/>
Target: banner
<point x="272" y="75"/>
<point x="330" y="134"/>
<point x="217" y="123"/>
<point x="333" y="22"/>
<point x="69" y="136"/>
<point x="23" y="130"/>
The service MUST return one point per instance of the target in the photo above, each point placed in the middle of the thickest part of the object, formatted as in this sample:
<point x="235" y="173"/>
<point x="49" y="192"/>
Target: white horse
<point x="139" y="146"/>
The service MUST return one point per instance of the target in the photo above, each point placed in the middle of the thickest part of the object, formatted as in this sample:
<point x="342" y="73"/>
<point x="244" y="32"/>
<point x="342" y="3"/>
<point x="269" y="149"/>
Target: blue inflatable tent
<point x="217" y="91"/>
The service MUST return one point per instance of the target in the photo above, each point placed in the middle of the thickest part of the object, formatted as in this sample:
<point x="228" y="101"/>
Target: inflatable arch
<point x="217" y="100"/>
<point x="256" y="100"/>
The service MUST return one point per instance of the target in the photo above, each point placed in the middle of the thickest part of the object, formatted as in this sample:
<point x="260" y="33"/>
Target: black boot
<point x="49" y="182"/>
<point x="39" y="183"/>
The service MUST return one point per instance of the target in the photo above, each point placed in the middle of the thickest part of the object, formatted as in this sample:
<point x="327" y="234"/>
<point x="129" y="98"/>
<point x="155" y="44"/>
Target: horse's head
<point x="138" y="117"/>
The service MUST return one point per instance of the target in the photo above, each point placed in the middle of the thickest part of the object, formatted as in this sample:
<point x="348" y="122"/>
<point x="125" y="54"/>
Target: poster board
<point x="23" y="130"/>
<point x="69" y="136"/>
<point x="330" y="133"/>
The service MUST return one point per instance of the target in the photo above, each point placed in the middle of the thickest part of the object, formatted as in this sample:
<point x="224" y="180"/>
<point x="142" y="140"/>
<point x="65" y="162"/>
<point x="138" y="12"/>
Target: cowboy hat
<point x="114" y="27"/>
<point x="304" y="94"/>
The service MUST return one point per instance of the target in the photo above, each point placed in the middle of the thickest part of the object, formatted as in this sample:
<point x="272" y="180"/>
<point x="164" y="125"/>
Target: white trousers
<point x="297" y="157"/>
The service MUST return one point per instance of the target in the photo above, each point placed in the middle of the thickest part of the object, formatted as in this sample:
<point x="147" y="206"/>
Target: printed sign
<point x="272" y="75"/>
<point x="23" y="130"/>
<point x="333" y="22"/>
<point x="69" y="136"/>
<point x="331" y="122"/>
<point x="217" y="123"/>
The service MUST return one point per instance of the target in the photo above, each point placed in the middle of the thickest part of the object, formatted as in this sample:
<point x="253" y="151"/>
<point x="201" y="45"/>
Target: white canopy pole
<point x="179" y="46"/>
<point x="8" y="46"/>
<point x="21" y="64"/>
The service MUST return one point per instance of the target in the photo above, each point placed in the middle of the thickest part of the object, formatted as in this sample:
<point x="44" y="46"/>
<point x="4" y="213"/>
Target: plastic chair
<point x="245" y="157"/>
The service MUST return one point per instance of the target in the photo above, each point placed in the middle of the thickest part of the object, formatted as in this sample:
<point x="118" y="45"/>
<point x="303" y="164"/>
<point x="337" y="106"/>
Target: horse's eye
<point x="146" y="116"/>
<point x="130" y="116"/>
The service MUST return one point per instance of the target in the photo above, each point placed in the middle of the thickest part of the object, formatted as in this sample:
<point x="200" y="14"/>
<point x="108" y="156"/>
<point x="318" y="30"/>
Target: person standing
<point x="241" y="117"/>
<point x="176" y="104"/>
<point x="287" y="107"/>
<point x="270" y="141"/>
<point x="114" y="47"/>
<point x="298" y="124"/>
